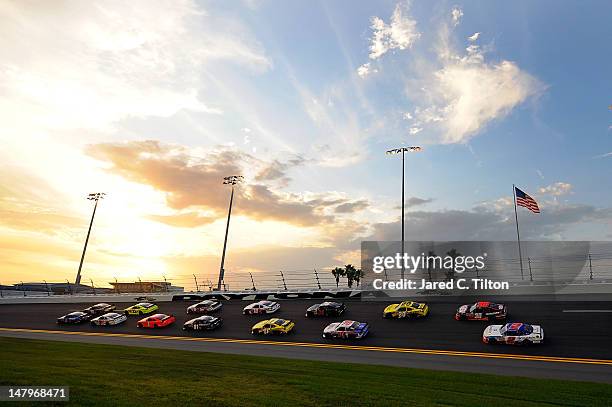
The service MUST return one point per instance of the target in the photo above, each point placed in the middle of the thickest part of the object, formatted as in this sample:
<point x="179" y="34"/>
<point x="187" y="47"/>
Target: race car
<point x="74" y="318"/>
<point x="203" y="323"/>
<point x="326" y="309"/>
<point x="261" y="307"/>
<point x="156" y="321"/>
<point x="481" y="311"/>
<point x="204" y="307"/>
<point x="513" y="333"/>
<point x="141" y="308"/>
<point x="273" y="326"/>
<point x="111" y="318"/>
<point x="346" y="330"/>
<point x="99" y="309"/>
<point x="145" y="299"/>
<point x="406" y="309"/>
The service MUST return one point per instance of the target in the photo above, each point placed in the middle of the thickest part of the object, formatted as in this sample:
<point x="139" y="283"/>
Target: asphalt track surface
<point x="578" y="344"/>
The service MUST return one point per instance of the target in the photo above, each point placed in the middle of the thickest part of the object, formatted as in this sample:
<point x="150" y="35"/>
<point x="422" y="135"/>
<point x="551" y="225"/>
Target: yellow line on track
<point x="325" y="345"/>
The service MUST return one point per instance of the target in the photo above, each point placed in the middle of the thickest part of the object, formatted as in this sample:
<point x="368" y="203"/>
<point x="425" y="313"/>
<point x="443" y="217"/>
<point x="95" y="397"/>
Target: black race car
<point x="326" y="309"/>
<point x="74" y="318"/>
<point x="204" y="307"/>
<point x="203" y="323"/>
<point x="481" y="311"/>
<point x="99" y="309"/>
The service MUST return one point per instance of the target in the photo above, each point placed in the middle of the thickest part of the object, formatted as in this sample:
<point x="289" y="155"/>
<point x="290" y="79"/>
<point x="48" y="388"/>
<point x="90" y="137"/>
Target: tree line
<point x="353" y="275"/>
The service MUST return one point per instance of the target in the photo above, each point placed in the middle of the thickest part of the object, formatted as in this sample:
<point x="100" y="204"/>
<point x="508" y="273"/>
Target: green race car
<point x="141" y="308"/>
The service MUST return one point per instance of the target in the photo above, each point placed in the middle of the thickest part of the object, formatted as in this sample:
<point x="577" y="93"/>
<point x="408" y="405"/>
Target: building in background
<point x="145" y="287"/>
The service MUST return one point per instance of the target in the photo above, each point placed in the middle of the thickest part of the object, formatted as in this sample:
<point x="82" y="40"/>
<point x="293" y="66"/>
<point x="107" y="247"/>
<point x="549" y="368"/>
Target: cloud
<point x="486" y="223"/>
<point x="106" y="61"/>
<point x="473" y="37"/>
<point x="190" y="181"/>
<point x="604" y="155"/>
<point x="556" y="189"/>
<point x="183" y="220"/>
<point x="400" y="33"/>
<point x="416" y="201"/>
<point x="456" y="14"/>
<point x="466" y="92"/>
<point x="277" y="170"/>
<point x="351" y="207"/>
<point x="365" y="70"/>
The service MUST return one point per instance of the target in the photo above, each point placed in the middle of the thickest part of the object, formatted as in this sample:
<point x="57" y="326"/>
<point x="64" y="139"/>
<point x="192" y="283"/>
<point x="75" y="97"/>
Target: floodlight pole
<point x="92" y="197"/>
<point x="403" y="151"/>
<point x="231" y="180"/>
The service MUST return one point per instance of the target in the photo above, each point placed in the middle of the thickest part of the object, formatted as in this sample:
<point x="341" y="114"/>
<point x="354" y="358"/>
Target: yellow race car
<point x="406" y="309"/>
<point x="274" y="326"/>
<point x="141" y="308"/>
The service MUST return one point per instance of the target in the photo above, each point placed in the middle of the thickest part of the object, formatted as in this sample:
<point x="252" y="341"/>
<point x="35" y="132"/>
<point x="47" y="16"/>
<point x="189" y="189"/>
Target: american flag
<point x="522" y="199"/>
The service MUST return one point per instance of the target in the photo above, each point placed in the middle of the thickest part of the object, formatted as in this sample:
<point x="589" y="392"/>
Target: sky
<point x="155" y="102"/>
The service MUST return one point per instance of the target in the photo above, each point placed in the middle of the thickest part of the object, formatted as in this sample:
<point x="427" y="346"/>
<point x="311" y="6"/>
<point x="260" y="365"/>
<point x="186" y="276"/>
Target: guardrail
<point x="593" y="268"/>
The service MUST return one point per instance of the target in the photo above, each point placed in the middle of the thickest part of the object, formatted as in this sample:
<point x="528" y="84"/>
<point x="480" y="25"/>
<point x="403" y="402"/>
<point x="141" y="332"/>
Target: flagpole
<point x="518" y="234"/>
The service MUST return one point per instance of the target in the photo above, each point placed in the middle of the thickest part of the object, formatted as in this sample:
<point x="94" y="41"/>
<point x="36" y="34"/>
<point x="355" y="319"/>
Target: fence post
<point x="165" y="283"/>
<point x="317" y="277"/>
<point x="116" y="286"/>
<point x="93" y="287"/>
<point x="23" y="289"/>
<point x="283" y="277"/>
<point x="196" y="283"/>
<point x="141" y="286"/>
<point x="1" y="295"/>
<point x="47" y="287"/>
<point x="252" y="282"/>
<point x="590" y="268"/>
<point x="530" y="273"/>
<point x="69" y="286"/>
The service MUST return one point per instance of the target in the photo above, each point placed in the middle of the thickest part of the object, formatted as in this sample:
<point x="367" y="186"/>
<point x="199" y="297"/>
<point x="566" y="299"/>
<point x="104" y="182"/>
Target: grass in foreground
<point x="122" y="376"/>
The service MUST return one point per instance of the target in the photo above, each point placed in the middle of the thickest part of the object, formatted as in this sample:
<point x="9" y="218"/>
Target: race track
<point x="573" y="330"/>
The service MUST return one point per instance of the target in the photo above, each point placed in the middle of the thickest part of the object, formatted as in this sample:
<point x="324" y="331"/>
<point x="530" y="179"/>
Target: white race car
<point x="261" y="307"/>
<point x="111" y="318"/>
<point x="346" y="330"/>
<point x="513" y="333"/>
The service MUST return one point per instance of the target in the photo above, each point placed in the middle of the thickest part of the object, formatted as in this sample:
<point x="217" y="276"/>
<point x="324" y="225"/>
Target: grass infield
<point x="102" y="375"/>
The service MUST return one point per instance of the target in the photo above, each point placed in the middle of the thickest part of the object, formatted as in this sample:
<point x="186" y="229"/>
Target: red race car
<point x="156" y="321"/>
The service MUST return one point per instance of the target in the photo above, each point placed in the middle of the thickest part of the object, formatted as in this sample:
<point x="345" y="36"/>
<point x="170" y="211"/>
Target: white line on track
<point x="583" y="311"/>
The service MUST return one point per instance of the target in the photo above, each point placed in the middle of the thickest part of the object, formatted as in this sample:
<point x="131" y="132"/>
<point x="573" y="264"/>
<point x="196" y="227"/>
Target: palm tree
<point x="358" y="276"/>
<point x="350" y="271"/>
<point x="338" y="272"/>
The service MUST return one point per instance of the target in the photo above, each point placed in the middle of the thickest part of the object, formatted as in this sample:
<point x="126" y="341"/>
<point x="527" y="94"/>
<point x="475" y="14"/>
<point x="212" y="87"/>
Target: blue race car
<point x="346" y="330"/>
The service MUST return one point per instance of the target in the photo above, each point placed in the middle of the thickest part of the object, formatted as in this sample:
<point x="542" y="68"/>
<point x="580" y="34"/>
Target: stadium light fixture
<point x="92" y="197"/>
<point x="403" y="151"/>
<point x="230" y="180"/>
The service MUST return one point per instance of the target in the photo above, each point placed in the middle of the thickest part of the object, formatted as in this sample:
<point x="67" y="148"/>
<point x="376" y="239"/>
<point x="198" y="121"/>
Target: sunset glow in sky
<point x="155" y="102"/>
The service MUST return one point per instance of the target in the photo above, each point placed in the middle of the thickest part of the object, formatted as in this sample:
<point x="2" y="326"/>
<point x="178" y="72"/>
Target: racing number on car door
<point x="511" y="339"/>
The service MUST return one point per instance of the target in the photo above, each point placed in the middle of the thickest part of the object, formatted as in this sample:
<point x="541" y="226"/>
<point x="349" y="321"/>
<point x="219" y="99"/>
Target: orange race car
<point x="156" y="321"/>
